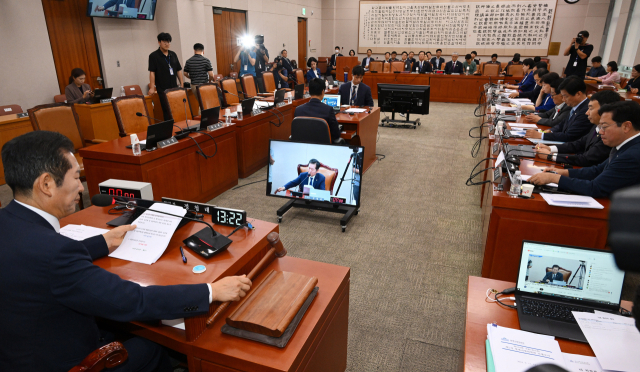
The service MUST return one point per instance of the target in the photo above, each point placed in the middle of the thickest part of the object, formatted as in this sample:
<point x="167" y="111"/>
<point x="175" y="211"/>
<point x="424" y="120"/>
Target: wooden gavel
<point x="277" y="250"/>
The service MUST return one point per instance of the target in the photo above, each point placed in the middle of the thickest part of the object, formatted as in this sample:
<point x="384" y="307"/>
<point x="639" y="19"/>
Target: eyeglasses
<point x="602" y="128"/>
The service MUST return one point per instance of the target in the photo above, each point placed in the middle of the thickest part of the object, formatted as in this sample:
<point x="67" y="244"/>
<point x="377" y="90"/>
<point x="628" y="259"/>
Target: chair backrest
<point x="566" y="274"/>
<point x="491" y="69"/>
<point x="323" y="64"/>
<point x="174" y="101"/>
<point x="330" y="175"/>
<point x="60" y="98"/>
<point x="397" y="66"/>
<point x="503" y="65"/>
<point x="207" y="95"/>
<point x="248" y="86"/>
<point x="515" y="70"/>
<point x="133" y="90"/>
<point x="125" y="109"/>
<point x="386" y="67"/>
<point x="375" y="66"/>
<point x="230" y="85"/>
<point x="300" y="76"/>
<point x="312" y="130"/>
<point x="233" y="75"/>
<point x="10" y="110"/>
<point x="108" y="356"/>
<point x="269" y="81"/>
<point x="623" y="82"/>
<point x="218" y="77"/>
<point x="58" y="117"/>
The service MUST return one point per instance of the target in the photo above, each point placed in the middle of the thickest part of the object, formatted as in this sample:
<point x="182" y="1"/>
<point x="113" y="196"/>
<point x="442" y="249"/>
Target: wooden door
<point x="73" y="41"/>
<point x="228" y="26"/>
<point x="302" y="42"/>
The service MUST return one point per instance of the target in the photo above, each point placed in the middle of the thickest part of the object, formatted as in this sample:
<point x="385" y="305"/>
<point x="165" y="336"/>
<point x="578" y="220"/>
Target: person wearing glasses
<point x="557" y="114"/>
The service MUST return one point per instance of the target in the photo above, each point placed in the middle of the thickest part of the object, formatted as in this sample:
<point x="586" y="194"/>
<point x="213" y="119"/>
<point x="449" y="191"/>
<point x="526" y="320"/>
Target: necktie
<point x="353" y="95"/>
<point x="311" y="181"/>
<point x="612" y="154"/>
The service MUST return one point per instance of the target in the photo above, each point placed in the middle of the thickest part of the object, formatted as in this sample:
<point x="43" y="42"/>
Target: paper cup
<point x="527" y="190"/>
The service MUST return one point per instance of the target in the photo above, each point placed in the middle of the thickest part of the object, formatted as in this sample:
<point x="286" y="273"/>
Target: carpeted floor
<point x="411" y="248"/>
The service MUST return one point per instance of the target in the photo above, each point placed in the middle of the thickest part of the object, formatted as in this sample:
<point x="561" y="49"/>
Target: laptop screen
<point x="570" y="272"/>
<point x="332" y="100"/>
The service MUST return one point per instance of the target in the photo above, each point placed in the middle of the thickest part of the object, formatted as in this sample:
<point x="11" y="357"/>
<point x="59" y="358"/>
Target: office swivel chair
<point x="330" y="174"/>
<point x="125" y="109"/>
<point x="397" y="66"/>
<point x="173" y="99"/>
<point x="375" y="66"/>
<point x="248" y="86"/>
<point x="207" y="95"/>
<point x="312" y="130"/>
<point x="491" y="69"/>
<point x="60" y="98"/>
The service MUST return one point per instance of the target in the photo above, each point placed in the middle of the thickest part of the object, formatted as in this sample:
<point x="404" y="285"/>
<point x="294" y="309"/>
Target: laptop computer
<point x="330" y="80"/>
<point x="527" y="151"/>
<point x="156" y="133"/>
<point x="100" y="94"/>
<point x="247" y="105"/>
<point x="299" y="91"/>
<point x="278" y="97"/>
<point x="587" y="280"/>
<point x="207" y="117"/>
<point x="332" y="100"/>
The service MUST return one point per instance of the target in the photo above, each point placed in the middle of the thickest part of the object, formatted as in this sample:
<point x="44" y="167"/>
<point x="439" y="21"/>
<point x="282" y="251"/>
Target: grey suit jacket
<point x="73" y="93"/>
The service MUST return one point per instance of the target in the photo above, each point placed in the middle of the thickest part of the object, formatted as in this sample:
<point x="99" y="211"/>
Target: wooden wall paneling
<point x="219" y="173"/>
<point x="302" y="42"/>
<point x="253" y="146"/>
<point x="284" y="130"/>
<point x="11" y="128"/>
<point x="168" y="177"/>
<point x="227" y="27"/>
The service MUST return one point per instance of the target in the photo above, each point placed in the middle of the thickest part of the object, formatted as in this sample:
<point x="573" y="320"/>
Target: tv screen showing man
<point x="311" y="178"/>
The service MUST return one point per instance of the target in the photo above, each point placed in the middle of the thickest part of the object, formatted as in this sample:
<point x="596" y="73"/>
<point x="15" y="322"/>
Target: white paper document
<point x="544" y="142"/>
<point x="517" y="132"/>
<point x="571" y="201"/>
<point x="521" y="101"/>
<point x="500" y="159"/>
<point x="81" y="232"/>
<point x="355" y="110"/>
<point x="507" y="91"/>
<point x="514" y="350"/>
<point x="525" y="177"/>
<point x="581" y="363"/>
<point x="505" y="108"/>
<point x="614" y="339"/>
<point x="148" y="241"/>
<point x="523" y="125"/>
<point x="177" y="323"/>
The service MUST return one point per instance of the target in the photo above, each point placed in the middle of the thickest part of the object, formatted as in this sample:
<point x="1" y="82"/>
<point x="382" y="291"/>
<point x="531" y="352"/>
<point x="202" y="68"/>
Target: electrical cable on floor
<point x="380" y="159"/>
<point x="247" y="184"/>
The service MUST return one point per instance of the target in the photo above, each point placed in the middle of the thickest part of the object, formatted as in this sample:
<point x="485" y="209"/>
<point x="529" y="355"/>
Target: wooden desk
<point x="480" y="313"/>
<point x="319" y="343"/>
<point x="176" y="171"/>
<point x="11" y="127"/>
<point x="366" y="127"/>
<point x="98" y="121"/>
<point x="592" y="87"/>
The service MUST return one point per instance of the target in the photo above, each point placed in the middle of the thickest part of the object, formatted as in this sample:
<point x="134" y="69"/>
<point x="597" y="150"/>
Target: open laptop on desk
<point x="299" y="91"/>
<point x="528" y="151"/>
<point x="156" y="133"/>
<point x="207" y="117"/>
<point x="332" y="100"/>
<point x="100" y="94"/>
<point x="590" y="281"/>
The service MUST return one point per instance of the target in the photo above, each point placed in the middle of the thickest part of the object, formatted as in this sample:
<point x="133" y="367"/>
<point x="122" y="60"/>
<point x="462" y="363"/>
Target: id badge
<point x="170" y="70"/>
<point x="575" y="63"/>
<point x="245" y="67"/>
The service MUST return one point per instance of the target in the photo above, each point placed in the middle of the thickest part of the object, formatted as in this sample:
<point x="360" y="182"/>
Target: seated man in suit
<point x="437" y="62"/>
<point x="573" y="90"/>
<point x="454" y="66"/>
<point x="315" y="108"/>
<point x="387" y="57"/>
<point x="557" y="114"/>
<point x="393" y="56"/>
<point x="553" y="275"/>
<point x="51" y="290"/>
<point x="423" y="65"/>
<point x="494" y="60"/>
<point x="368" y="59"/>
<point x="355" y="92"/>
<point x="310" y="177"/>
<point x="596" y="68"/>
<point x="620" y="130"/>
<point x="332" y="61"/>
<point x="410" y="62"/>
<point x="589" y="149"/>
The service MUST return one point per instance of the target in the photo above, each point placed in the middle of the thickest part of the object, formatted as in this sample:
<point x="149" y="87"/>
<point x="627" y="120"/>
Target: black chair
<point x="312" y="130"/>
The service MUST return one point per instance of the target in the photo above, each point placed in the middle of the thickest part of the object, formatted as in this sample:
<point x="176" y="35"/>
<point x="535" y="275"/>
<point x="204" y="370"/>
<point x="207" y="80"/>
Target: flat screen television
<point x="400" y="98"/>
<point x="123" y="9"/>
<point x="315" y="172"/>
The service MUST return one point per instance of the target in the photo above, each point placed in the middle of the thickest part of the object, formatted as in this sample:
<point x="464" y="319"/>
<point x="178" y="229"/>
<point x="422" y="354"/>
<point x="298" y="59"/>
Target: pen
<point x="184" y="258"/>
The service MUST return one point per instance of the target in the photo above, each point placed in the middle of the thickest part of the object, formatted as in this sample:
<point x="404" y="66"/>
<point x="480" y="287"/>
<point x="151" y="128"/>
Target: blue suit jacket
<point x="573" y="127"/>
<point x="311" y="76"/>
<point x="303" y="179"/>
<point x="316" y="109"/>
<point x="51" y="291"/>
<point x="426" y="66"/>
<point x="527" y="83"/>
<point x="363" y="98"/>
<point x="599" y="181"/>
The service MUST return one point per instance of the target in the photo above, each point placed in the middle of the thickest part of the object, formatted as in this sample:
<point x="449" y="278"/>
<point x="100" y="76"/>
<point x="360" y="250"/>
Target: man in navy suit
<point x="437" y="62"/>
<point x="355" y="92"/>
<point x="315" y="108"/>
<point x="620" y="130"/>
<point x="422" y="65"/>
<point x="553" y="275"/>
<point x="367" y="60"/>
<point x="333" y="59"/>
<point x="577" y="124"/>
<point x="454" y="66"/>
<point x="311" y="178"/>
<point x="51" y="291"/>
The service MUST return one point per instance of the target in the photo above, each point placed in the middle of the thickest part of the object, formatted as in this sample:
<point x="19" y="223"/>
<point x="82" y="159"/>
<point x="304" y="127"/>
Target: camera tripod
<point x="581" y="272"/>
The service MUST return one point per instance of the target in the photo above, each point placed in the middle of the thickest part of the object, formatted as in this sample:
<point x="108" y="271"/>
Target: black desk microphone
<point x="149" y="117"/>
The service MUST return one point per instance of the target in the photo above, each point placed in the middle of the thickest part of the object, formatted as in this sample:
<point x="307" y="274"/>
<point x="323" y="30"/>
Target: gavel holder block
<point x="271" y="306"/>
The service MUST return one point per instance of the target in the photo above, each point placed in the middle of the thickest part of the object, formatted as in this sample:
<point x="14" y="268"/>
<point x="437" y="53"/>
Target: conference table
<point x="593" y="87"/>
<point x="480" y="312"/>
<point x="318" y="344"/>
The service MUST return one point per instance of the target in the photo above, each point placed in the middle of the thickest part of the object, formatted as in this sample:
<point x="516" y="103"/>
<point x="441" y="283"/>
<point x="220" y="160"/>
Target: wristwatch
<point x="549" y="156"/>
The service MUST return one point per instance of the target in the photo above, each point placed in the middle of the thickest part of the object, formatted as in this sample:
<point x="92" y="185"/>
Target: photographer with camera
<point x="579" y="52"/>
<point x="262" y="58"/>
<point x="247" y="57"/>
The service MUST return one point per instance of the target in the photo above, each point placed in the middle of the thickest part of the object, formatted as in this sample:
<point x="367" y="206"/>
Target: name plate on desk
<point x="106" y="100"/>
<point x="23" y="115"/>
<point x="213" y="127"/>
<point x="168" y="142"/>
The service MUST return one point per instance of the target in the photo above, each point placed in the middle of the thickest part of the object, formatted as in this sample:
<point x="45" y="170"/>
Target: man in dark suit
<point x="422" y="65"/>
<point x="332" y="61"/>
<point x="51" y="291"/>
<point x="620" y="130"/>
<point x="368" y="59"/>
<point x="437" y="62"/>
<point x="355" y="92"/>
<point x="454" y="66"/>
<point x="409" y="62"/>
<point x="394" y="56"/>
<point x="558" y="114"/>
<point x="315" y="108"/>
<point x="311" y="178"/>
<point x="573" y="90"/>
<point x="589" y="149"/>
<point x="553" y="275"/>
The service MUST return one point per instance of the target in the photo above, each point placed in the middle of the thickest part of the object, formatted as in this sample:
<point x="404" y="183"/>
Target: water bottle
<point x="346" y="75"/>
<point x="516" y="184"/>
<point x="135" y="145"/>
<point x="518" y="111"/>
<point x="121" y="91"/>
<point x="227" y="114"/>
<point x="239" y="112"/>
<point x="467" y="73"/>
<point x="326" y="84"/>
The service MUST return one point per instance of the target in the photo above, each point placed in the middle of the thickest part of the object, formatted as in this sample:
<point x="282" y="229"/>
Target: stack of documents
<point x="355" y="110"/>
<point x="613" y="338"/>
<point x="523" y="125"/>
<point x="521" y="101"/>
<point x="571" y="201"/>
<point x="544" y="142"/>
<point x="505" y="108"/>
<point x="149" y="240"/>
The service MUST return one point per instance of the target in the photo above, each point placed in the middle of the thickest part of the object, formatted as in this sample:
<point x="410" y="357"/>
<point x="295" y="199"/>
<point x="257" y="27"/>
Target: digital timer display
<point x="228" y="217"/>
<point x="125" y="193"/>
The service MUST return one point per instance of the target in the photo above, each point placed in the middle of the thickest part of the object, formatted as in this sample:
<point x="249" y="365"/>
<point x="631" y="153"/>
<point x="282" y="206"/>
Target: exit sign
<point x="304" y="11"/>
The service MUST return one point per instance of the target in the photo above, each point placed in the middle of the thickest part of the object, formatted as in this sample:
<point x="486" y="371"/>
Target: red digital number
<point x="111" y="192"/>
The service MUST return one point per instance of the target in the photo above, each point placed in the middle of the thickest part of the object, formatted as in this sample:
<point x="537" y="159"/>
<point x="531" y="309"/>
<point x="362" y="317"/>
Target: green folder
<point x="490" y="366"/>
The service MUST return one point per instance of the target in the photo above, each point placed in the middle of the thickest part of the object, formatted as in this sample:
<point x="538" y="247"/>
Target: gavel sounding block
<point x="271" y="306"/>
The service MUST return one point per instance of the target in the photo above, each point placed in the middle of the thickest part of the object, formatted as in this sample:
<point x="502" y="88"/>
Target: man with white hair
<point x="453" y="66"/>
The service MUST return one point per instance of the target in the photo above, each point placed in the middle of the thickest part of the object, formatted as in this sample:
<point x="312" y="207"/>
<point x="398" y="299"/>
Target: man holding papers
<point x="620" y="130"/>
<point x="51" y="290"/>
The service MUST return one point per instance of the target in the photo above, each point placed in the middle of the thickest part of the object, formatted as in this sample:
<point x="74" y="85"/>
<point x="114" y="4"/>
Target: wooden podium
<point x="341" y="63"/>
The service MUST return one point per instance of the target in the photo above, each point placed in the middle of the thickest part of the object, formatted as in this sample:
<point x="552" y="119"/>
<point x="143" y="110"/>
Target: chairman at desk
<point x="119" y="3"/>
<point x="311" y="178"/>
<point x="553" y="275"/>
<point x="51" y="290"/>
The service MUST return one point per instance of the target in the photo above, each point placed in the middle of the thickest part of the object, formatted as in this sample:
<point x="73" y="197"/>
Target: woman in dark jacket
<point x="77" y="91"/>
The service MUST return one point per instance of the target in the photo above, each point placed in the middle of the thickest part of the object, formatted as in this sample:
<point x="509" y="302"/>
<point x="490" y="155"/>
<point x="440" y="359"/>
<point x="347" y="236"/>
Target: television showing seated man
<point x="116" y="6"/>
<point x="310" y="178"/>
<point x="553" y="276"/>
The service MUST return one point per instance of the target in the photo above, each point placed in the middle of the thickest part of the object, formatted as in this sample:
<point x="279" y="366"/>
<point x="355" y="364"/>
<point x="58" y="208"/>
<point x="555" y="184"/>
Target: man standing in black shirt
<point x="579" y="52"/>
<point x="164" y="68"/>
<point x="262" y="57"/>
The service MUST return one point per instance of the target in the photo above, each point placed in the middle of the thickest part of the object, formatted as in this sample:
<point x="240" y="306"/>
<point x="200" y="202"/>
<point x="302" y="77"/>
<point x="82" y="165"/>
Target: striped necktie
<point x="353" y="95"/>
